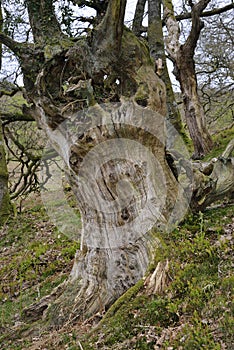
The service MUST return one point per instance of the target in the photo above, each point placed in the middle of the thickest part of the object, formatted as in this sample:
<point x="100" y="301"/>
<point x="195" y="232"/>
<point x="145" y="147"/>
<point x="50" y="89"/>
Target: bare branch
<point x="215" y="11"/>
<point x="188" y="15"/>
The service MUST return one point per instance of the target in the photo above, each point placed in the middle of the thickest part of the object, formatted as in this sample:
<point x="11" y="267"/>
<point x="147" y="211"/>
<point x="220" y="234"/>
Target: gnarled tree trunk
<point x="103" y="108"/>
<point x="115" y="153"/>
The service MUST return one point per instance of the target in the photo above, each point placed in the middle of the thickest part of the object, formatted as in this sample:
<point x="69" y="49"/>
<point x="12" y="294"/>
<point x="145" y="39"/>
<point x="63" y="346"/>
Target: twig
<point x="81" y="347"/>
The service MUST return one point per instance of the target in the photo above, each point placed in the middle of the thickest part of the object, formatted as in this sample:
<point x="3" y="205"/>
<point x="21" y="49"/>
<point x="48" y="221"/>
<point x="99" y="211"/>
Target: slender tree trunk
<point x="157" y="52"/>
<point x="5" y="205"/>
<point x="138" y="17"/>
<point x="182" y="56"/>
<point x="194" y="112"/>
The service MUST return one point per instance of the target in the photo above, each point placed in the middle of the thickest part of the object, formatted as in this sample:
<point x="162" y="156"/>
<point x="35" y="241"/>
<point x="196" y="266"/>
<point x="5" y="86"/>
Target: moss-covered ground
<point x="194" y="312"/>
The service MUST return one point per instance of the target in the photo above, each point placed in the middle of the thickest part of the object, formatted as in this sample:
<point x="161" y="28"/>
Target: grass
<point x="35" y="258"/>
<point x="221" y="141"/>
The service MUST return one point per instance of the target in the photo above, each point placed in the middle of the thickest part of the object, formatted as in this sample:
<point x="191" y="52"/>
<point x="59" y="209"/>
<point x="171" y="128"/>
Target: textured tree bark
<point x="43" y="21"/>
<point x="1" y="27"/>
<point x="184" y="69"/>
<point x="194" y="112"/>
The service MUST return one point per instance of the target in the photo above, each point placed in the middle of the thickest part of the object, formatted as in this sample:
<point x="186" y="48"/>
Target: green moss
<point x="53" y="48"/>
<point x="196" y="336"/>
<point x="13" y="105"/>
<point x="124" y="299"/>
<point x="137" y="48"/>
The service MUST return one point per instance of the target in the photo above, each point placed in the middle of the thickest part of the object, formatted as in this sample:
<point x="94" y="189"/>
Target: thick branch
<point x="197" y="26"/>
<point x="30" y="58"/>
<point x="188" y="15"/>
<point x="138" y="17"/>
<point x="173" y="28"/>
<point x="8" y="89"/>
<point x="13" y="45"/>
<point x="110" y="29"/>
<point x="200" y="6"/>
<point x="229" y="149"/>
<point x="43" y="21"/>
<point x="8" y="118"/>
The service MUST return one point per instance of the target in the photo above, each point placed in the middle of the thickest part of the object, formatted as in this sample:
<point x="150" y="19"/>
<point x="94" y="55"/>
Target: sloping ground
<point x="194" y="312"/>
<point x="34" y="259"/>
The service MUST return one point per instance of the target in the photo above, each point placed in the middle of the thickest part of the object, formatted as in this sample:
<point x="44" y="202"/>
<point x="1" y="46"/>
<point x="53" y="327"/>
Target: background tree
<point x="24" y="142"/>
<point x="214" y="70"/>
<point x="5" y="205"/>
<point x="69" y="83"/>
<point x="184" y="67"/>
<point x="182" y="56"/>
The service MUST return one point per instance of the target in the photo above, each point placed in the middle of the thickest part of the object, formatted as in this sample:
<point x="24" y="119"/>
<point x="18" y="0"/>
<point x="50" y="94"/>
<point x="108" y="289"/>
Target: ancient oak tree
<point x="102" y="105"/>
<point x="110" y="72"/>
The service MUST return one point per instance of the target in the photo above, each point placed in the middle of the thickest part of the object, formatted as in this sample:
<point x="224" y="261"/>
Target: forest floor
<point x="195" y="310"/>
